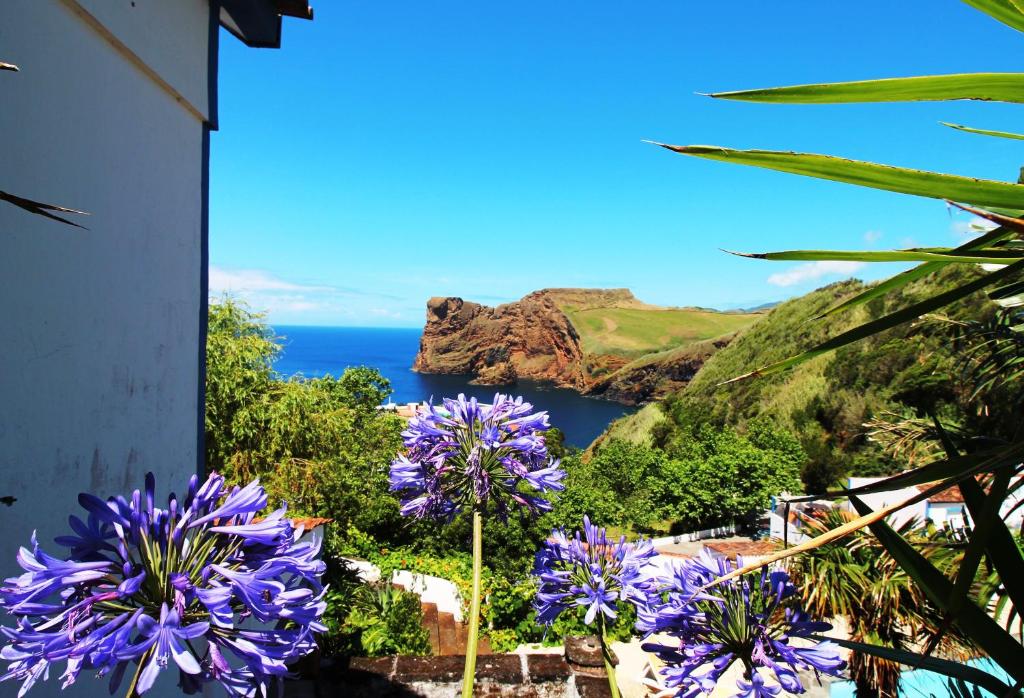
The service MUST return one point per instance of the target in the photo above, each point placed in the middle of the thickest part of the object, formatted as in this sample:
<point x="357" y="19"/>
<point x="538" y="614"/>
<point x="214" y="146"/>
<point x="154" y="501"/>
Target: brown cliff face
<point x="531" y="338"/>
<point x="657" y="376"/>
<point x="534" y="339"/>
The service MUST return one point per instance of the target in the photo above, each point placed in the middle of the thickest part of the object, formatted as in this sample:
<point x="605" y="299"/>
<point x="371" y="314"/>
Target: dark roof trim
<point x="257" y="23"/>
<point x="295" y="8"/>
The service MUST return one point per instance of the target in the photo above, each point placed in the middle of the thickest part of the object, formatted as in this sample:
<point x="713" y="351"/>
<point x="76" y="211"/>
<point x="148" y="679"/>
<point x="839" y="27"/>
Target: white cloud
<point x="267" y="292"/>
<point x="973" y="226"/>
<point x="812" y="271"/>
<point x="245" y="281"/>
<point x="872" y="236"/>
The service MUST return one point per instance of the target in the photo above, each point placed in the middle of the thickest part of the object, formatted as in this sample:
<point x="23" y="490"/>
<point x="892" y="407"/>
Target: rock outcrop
<point x="534" y="338"/>
<point x="657" y="375"/>
<point x="531" y="338"/>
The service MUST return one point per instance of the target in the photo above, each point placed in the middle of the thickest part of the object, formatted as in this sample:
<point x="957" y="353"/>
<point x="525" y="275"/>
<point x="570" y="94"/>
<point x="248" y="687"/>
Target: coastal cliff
<point x="596" y="341"/>
<point x="531" y="338"/>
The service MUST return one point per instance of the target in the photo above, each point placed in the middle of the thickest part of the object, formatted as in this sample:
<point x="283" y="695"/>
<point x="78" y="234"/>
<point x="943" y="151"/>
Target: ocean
<point x="316" y="351"/>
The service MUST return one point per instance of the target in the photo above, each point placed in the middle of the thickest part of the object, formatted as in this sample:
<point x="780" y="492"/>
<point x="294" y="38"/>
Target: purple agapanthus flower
<point x="750" y="619"/>
<point x="466" y="454"/>
<point x="145" y="589"/>
<point x="592" y="572"/>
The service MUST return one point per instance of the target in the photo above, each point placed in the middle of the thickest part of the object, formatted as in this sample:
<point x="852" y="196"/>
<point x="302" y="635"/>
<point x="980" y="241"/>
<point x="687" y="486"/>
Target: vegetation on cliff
<point x="830" y="402"/>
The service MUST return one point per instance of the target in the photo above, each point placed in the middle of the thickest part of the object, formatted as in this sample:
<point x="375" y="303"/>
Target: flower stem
<point x="474" y="607"/>
<point x="609" y="665"/>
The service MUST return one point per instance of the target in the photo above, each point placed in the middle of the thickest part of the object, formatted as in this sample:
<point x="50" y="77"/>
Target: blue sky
<point x="393" y="151"/>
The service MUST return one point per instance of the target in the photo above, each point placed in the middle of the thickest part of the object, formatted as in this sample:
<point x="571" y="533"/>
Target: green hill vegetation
<point x="837" y="405"/>
<point x="634" y="332"/>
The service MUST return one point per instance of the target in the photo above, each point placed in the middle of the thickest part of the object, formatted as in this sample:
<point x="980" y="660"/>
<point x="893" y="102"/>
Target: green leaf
<point x="985" y="521"/>
<point x="981" y="192"/>
<point x="975" y="623"/>
<point x="988" y="256"/>
<point x="1008" y="12"/>
<point x="984" y="132"/>
<point x="947" y="442"/>
<point x="955" y="469"/>
<point x="1007" y="291"/>
<point x="889" y="321"/>
<point x="939" y="666"/>
<point x="904" y="278"/>
<point x="999" y="87"/>
<point x="1001" y="548"/>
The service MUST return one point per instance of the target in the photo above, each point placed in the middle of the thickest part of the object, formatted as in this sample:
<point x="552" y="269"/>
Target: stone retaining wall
<point x="579" y="673"/>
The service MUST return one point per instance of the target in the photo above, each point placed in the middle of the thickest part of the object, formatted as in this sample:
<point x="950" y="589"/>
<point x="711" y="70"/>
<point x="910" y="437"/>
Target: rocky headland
<point x="535" y="338"/>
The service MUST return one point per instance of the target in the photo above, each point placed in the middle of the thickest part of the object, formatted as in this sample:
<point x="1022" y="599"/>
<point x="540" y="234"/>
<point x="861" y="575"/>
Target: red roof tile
<point x="951" y="496"/>
<point x="308" y="523"/>
<point x="752" y="548"/>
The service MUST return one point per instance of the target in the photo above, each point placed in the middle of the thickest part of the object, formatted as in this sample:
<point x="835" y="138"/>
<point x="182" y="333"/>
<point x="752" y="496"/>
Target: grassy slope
<point x="634" y="332"/>
<point x="848" y="378"/>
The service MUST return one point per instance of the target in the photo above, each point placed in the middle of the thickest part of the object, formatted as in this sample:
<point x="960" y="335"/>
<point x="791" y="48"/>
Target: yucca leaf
<point x="975" y="623"/>
<point x="998" y="87"/>
<point x="955" y="469"/>
<point x="1001" y="219"/>
<point x="981" y="192"/>
<point x="947" y="442"/>
<point x="988" y="256"/>
<point x="41" y="209"/>
<point x="939" y="666"/>
<point x="984" y="132"/>
<point x="1007" y="291"/>
<point x="985" y="521"/>
<point x="889" y="321"/>
<point x="1006" y="11"/>
<point x="920" y="271"/>
<point x="830" y="535"/>
<point x="1002" y="550"/>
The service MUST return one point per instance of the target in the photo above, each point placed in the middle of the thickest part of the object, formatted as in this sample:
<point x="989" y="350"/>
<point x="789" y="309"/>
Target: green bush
<point x="387" y="621"/>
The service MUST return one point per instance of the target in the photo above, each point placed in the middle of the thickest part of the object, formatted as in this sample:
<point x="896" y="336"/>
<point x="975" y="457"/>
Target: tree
<point x="319" y="443"/>
<point x="240" y="351"/>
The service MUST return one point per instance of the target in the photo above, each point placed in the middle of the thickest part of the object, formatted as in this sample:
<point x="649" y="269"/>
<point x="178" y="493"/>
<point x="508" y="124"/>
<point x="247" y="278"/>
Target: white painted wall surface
<point x="99" y="378"/>
<point x="169" y="36"/>
<point x="881" y="500"/>
<point x="1012" y="512"/>
<point x="940" y="512"/>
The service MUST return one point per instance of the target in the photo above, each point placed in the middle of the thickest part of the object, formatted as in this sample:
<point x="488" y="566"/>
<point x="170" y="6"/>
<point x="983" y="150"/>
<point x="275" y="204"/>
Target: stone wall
<point x="579" y="673"/>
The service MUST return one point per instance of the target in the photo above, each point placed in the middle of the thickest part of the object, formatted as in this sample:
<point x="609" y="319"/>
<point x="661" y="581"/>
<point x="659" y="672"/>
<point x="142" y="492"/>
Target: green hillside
<point x="825" y="402"/>
<point x="633" y="332"/>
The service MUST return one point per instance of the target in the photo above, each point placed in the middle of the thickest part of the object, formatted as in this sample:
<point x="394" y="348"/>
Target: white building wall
<point x="100" y="371"/>
<point x="880" y="500"/>
<point x="1011" y="512"/>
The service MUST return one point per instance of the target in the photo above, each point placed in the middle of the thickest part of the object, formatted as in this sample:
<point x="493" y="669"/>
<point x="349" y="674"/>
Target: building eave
<point x="257" y="23"/>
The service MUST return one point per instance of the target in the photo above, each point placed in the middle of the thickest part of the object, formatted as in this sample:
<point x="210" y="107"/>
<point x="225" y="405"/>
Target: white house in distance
<point x="945" y="509"/>
<point x="880" y="500"/>
<point x="104" y="328"/>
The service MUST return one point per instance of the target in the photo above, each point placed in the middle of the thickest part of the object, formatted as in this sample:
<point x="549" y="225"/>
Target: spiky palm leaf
<point x="1003" y="204"/>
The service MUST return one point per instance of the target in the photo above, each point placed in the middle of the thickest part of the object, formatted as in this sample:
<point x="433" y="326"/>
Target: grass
<point x="636" y="427"/>
<point x="834" y="391"/>
<point x="633" y="332"/>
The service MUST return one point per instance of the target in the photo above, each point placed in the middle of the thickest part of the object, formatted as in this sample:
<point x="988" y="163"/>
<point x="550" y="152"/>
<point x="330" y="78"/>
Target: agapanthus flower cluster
<point x="201" y="584"/>
<point x="592" y="572"/>
<point x="469" y="454"/>
<point x="750" y="619"/>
